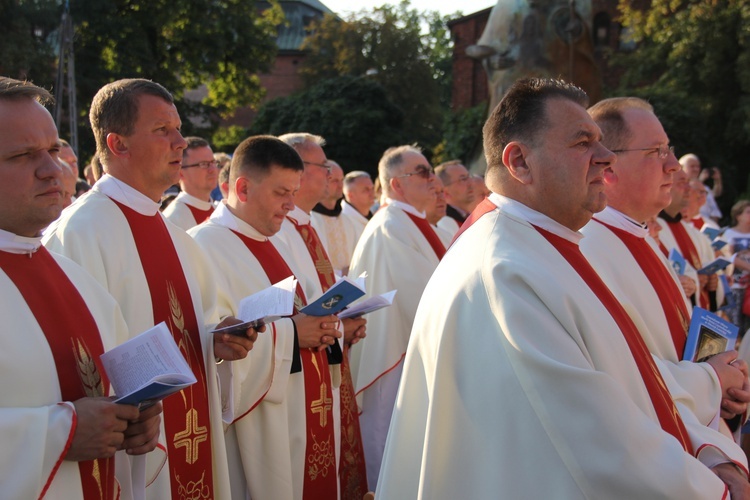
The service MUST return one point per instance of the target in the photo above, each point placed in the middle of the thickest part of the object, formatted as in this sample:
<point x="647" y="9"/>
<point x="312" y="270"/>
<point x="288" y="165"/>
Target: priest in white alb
<point x="59" y="429"/>
<point x="639" y="276"/>
<point x="156" y="272"/>
<point x="525" y="377"/>
<point x="199" y="175"/>
<point x="359" y="196"/>
<point x="398" y="250"/>
<point x="290" y="422"/>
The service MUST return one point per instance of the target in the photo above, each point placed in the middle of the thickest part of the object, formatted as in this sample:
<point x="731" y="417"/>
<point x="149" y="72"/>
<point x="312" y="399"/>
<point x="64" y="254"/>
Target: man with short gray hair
<point x="359" y="196"/>
<point x="399" y="250"/>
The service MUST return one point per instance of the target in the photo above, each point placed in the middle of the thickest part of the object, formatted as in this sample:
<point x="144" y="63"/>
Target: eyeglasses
<point x="205" y="165"/>
<point x="664" y="151"/>
<point x="321" y="165"/>
<point x="422" y="171"/>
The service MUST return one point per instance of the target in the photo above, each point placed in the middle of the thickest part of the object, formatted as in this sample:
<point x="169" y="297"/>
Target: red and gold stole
<point x="352" y="471"/>
<point x="688" y="250"/>
<point x="74" y="340"/>
<point x="186" y="418"/>
<point x="199" y="215"/>
<point x="320" y="464"/>
<point x="666" y="411"/>
<point x="670" y="295"/>
<point x="484" y="207"/>
<point x="429" y="234"/>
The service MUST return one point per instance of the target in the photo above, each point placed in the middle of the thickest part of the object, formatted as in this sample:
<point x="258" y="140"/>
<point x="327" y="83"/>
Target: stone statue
<point x="537" y="38"/>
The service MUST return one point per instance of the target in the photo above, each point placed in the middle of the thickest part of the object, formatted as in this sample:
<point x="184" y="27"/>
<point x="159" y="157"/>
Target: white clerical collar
<point x="617" y="219"/>
<point x="405" y="207"/>
<point x="518" y="209"/>
<point x="127" y="195"/>
<point x="224" y="217"/>
<point x="12" y="243"/>
<point x="348" y="209"/>
<point x="299" y="216"/>
<point x="191" y="200"/>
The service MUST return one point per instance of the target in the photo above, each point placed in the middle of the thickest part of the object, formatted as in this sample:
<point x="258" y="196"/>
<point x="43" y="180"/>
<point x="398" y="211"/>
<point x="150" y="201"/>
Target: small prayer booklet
<point x="678" y="261"/>
<point x="147" y="368"/>
<point x="341" y="294"/>
<point x="708" y="335"/>
<point x="730" y="300"/>
<point x="369" y="305"/>
<point x="266" y="306"/>
<point x="710" y="232"/>
<point x="719" y="243"/>
<point x="716" y="265"/>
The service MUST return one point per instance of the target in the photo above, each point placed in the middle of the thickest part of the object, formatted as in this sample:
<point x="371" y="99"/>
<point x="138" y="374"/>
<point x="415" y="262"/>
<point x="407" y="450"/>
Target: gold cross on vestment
<point x="183" y="438"/>
<point x="322" y="406"/>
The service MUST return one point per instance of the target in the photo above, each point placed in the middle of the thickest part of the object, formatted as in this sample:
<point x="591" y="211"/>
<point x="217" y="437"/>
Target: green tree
<point x="410" y="51"/>
<point x="27" y="25"/>
<point x="182" y="44"/>
<point x="353" y="114"/>
<point x="693" y="64"/>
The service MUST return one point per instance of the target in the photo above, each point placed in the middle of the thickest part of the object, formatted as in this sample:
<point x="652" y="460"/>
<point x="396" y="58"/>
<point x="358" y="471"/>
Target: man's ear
<point x="117" y="145"/>
<point x="396" y="186"/>
<point x="514" y="159"/>
<point x="241" y="188"/>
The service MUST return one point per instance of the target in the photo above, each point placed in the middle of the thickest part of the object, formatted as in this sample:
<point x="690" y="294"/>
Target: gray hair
<point x="351" y="178"/>
<point x="390" y="164"/>
<point x="299" y="140"/>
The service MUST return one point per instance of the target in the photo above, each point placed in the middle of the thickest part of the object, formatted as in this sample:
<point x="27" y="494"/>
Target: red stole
<point x="666" y="411"/>
<point x="697" y="222"/>
<point x="74" y="340"/>
<point x="320" y="452"/>
<point x="663" y="249"/>
<point x="670" y="295"/>
<point x="484" y="207"/>
<point x="352" y="470"/>
<point x="186" y="418"/>
<point x="199" y="215"/>
<point x="688" y="250"/>
<point x="429" y="234"/>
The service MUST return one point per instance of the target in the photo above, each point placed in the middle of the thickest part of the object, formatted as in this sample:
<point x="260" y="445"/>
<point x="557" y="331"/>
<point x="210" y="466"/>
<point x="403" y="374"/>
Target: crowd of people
<point x="534" y="347"/>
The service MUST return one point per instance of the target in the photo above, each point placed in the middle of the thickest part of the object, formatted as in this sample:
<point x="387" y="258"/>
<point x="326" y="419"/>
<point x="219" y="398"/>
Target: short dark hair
<point x="608" y="115"/>
<point x="255" y="156"/>
<point x="520" y="115"/>
<point x="15" y="90"/>
<point x="194" y="143"/>
<point x="115" y="109"/>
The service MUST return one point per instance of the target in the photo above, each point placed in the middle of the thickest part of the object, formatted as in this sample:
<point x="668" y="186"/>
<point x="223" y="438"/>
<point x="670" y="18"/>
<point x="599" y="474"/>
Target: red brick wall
<point x="469" y="77"/>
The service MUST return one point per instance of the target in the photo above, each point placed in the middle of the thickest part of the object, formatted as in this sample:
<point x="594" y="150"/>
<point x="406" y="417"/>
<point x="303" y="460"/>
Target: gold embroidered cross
<point x="183" y="438"/>
<point x="322" y="406"/>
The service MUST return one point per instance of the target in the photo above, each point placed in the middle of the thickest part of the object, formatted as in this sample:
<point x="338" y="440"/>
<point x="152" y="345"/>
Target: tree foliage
<point x="182" y="44"/>
<point x="693" y="64"/>
<point x="353" y="114"/>
<point x="410" y="51"/>
<point x="26" y="28"/>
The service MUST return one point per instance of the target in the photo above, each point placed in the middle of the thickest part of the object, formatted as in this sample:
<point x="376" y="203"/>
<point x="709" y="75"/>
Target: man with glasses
<point x="639" y="275"/>
<point x="459" y="192"/>
<point x="199" y="175"/>
<point x="317" y="276"/>
<point x="399" y="250"/>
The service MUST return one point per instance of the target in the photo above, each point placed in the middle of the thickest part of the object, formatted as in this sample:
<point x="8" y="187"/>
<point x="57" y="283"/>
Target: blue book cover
<point x="152" y="393"/>
<point x="678" y="261"/>
<point x="710" y="232"/>
<point x="708" y="335"/>
<point x="339" y="296"/>
<point x="715" y="266"/>
<point x="729" y="296"/>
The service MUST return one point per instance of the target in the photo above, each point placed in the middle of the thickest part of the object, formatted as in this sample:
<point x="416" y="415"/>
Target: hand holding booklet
<point x="147" y="368"/>
<point x="266" y="306"/>
<point x="708" y="335"/>
<point x="370" y="304"/>
<point x="335" y="299"/>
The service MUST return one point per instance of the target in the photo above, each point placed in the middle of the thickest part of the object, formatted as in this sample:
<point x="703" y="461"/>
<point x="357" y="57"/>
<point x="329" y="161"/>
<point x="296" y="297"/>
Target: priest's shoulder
<point x="207" y="231"/>
<point x="93" y="210"/>
<point x="80" y="278"/>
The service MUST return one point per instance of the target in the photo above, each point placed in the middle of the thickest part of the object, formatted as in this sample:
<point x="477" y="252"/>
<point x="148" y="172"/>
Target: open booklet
<point x="368" y="305"/>
<point x="708" y="335"/>
<point x="147" y="368"/>
<point x="266" y="306"/>
<point x="716" y="265"/>
<point x="335" y="299"/>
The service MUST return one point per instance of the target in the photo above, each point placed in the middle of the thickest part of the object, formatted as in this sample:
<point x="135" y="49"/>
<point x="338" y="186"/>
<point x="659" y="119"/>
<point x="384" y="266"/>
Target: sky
<point x="343" y="7"/>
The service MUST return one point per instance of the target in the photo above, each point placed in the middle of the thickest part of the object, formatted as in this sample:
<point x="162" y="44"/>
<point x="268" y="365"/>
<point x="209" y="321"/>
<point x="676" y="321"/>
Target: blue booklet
<point x="729" y="296"/>
<point x="340" y="295"/>
<point x="710" y="232"/>
<point x="678" y="261"/>
<point x="715" y="266"/>
<point x="708" y="335"/>
<point x="147" y="368"/>
<point x="719" y="243"/>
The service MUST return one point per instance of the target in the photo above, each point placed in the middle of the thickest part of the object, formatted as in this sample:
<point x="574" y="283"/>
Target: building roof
<point x="299" y="14"/>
